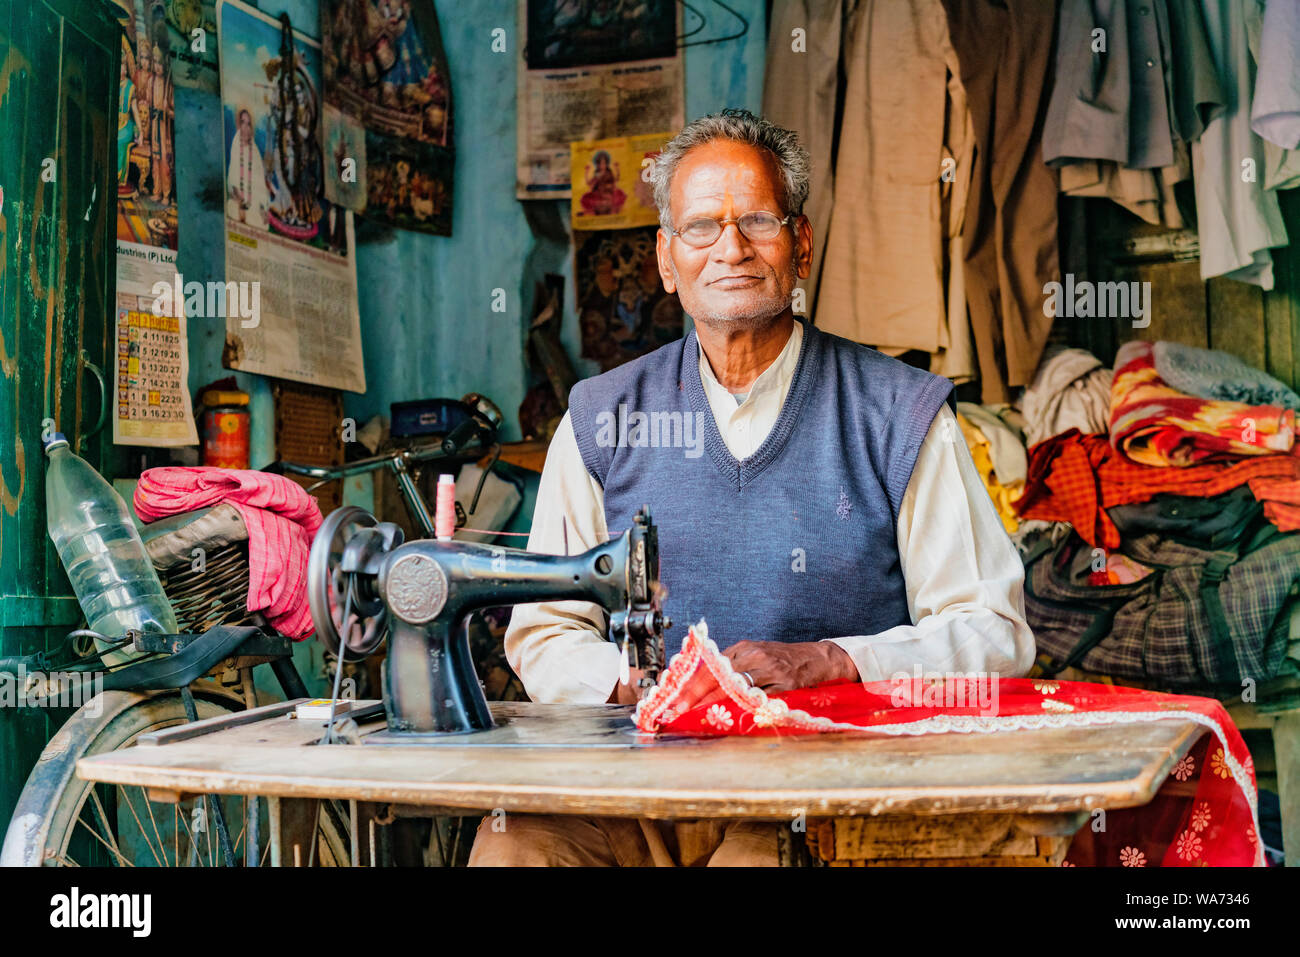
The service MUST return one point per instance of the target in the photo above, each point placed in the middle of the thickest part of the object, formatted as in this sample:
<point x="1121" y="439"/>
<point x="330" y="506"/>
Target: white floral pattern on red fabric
<point x="700" y="674"/>
<point x="1219" y="764"/>
<point x="1132" y="857"/>
<point x="719" y="717"/>
<point x="1188" y="846"/>
<point x="1200" y="817"/>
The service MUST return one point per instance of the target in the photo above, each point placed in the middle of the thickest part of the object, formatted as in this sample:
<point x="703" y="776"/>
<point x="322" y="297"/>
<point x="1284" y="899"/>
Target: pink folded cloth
<point x="281" y="519"/>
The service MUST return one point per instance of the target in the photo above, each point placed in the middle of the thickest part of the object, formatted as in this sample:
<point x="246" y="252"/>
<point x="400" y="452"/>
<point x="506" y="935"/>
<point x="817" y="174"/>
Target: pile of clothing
<point x="1160" y="542"/>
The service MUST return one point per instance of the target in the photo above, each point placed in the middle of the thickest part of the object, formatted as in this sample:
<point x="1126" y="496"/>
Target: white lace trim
<point x="773" y="712"/>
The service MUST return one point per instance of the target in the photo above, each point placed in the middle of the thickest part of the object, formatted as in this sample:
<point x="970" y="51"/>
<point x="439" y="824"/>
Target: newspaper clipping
<point x="591" y="72"/>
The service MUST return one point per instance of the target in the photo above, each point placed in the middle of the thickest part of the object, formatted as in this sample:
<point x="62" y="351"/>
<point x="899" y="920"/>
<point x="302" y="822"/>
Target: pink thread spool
<point x="444" y="513"/>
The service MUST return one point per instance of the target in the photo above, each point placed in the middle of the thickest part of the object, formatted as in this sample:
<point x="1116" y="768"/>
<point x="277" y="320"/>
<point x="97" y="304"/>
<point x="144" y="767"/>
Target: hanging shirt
<point x="1237" y="218"/>
<point x="882" y="281"/>
<point x="1274" y="35"/>
<point x="1109" y="101"/>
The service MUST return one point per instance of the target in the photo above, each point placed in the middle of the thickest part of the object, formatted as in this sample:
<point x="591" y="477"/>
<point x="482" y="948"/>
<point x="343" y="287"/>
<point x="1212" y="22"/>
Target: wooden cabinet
<point x="58" y="119"/>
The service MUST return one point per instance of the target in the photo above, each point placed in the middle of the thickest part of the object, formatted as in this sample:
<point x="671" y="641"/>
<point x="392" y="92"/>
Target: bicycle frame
<point x="399" y="462"/>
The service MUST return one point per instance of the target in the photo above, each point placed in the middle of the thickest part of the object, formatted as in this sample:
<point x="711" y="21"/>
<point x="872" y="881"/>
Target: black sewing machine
<point x="365" y="584"/>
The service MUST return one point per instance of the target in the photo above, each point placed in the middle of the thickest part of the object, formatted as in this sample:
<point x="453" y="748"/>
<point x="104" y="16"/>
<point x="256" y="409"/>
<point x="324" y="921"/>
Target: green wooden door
<point x="58" y="83"/>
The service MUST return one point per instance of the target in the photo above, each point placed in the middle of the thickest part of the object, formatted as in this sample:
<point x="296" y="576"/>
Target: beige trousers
<point x="557" y="840"/>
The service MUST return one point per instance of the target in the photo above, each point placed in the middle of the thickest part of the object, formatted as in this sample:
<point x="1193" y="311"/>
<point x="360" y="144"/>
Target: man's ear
<point x="665" y="263"/>
<point x="804" y="237"/>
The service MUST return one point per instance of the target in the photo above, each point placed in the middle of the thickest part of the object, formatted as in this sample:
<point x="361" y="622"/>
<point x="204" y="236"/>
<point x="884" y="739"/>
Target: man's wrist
<point x="841" y="662"/>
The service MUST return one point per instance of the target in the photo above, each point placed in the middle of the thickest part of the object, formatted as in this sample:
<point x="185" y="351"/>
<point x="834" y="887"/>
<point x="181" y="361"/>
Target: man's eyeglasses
<point x="758" y="225"/>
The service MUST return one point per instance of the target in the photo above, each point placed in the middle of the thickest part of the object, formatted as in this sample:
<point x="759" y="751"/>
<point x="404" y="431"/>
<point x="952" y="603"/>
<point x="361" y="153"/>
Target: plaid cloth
<point x="1161" y="627"/>
<point x="1074" y="478"/>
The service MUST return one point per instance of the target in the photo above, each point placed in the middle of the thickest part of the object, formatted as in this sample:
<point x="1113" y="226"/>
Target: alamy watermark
<point x="945" y="689"/>
<point x="210" y="300"/>
<point x="655" y="430"/>
<point x="1085" y="299"/>
<point x="54" y="689"/>
<point x="75" y="909"/>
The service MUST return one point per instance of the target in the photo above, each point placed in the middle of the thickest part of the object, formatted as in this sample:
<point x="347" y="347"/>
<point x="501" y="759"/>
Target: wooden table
<point x="1012" y="798"/>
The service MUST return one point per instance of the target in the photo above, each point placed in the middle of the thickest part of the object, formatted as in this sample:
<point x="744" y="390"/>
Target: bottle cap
<point x="54" y="441"/>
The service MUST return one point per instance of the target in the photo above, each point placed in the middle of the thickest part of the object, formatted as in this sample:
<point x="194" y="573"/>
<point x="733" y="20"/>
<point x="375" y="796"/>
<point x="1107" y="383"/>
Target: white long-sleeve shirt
<point x="964" y="578"/>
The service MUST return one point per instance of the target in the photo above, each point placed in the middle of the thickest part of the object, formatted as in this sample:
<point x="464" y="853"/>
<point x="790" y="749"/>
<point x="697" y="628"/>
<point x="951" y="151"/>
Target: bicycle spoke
<point x="148" y="806"/>
<point x="207" y="831"/>
<point x="111" y="849"/>
<point x="243" y="826"/>
<point x="138" y="823"/>
<point x="189" y="836"/>
<point x="108" y="831"/>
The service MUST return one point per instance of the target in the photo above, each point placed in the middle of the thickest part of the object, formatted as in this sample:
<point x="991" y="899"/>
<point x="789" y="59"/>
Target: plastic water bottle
<point x="102" y="552"/>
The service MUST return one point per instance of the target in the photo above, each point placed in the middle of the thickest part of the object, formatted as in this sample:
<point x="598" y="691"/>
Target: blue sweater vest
<point x="799" y="541"/>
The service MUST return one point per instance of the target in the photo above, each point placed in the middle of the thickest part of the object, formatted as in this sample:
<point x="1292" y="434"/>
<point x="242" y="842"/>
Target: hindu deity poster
<point x="192" y="42"/>
<point x="388" y="127"/>
<point x="623" y="310"/>
<point x="289" y="250"/>
<point x="612" y="188"/>
<point x="146" y="152"/>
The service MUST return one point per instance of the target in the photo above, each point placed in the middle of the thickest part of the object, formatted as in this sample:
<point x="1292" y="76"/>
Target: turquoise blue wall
<point x="427" y="325"/>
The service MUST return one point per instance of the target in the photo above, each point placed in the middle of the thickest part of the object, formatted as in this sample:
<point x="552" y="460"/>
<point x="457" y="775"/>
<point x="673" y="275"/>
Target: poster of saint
<point x="385" y="75"/>
<point x="284" y="238"/>
<point x="611" y="182"/>
<point x="623" y="310"/>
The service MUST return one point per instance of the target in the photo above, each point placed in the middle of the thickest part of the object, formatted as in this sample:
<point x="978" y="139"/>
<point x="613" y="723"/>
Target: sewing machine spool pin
<point x="420" y="594"/>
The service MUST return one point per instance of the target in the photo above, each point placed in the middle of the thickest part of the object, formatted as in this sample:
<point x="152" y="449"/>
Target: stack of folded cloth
<point x="1173" y="476"/>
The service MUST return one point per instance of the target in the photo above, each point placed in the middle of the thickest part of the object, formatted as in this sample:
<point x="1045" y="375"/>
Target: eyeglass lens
<point x="757" y="225"/>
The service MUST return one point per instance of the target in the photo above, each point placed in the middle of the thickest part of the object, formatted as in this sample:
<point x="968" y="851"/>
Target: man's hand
<point x="778" y="666"/>
<point x="629" y="693"/>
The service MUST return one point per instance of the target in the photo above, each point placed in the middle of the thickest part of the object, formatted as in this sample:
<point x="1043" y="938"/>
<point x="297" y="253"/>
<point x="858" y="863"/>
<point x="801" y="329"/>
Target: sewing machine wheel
<point x="345" y="553"/>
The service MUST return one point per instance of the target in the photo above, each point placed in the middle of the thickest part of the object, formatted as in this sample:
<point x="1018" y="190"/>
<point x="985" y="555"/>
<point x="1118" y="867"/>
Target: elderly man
<point x="826" y="520"/>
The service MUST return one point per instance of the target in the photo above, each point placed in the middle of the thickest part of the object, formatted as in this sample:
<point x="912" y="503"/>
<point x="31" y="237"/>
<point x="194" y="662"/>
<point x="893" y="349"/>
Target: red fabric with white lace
<point x="1204" y="814"/>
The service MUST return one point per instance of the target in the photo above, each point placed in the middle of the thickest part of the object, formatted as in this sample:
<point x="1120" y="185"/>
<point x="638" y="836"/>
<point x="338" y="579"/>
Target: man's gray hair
<point x="741" y="126"/>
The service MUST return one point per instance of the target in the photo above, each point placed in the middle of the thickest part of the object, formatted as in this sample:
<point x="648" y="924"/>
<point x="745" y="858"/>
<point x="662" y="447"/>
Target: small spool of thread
<point x="444" y="511"/>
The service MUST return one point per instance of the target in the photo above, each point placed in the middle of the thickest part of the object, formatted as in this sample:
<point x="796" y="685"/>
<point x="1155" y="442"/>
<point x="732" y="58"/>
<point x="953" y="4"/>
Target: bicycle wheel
<point x="63" y="820"/>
